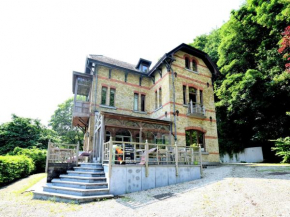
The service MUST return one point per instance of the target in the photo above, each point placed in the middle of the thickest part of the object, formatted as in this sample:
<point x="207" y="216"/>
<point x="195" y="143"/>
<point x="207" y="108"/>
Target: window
<point x="136" y="96"/>
<point x="142" y="103"/>
<point x="194" y="137"/>
<point x="187" y="62"/>
<point x="156" y="104"/>
<point x="184" y="94"/>
<point x="112" y="97"/>
<point x="160" y="97"/>
<point x="201" y="97"/>
<point x="104" y="95"/>
<point x="194" y="66"/>
<point x="192" y="95"/>
<point x="144" y="68"/>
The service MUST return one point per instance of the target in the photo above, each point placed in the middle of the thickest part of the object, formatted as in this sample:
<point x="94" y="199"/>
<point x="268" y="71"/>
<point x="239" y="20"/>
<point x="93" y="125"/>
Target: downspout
<point x="174" y="110"/>
<point x="96" y="88"/>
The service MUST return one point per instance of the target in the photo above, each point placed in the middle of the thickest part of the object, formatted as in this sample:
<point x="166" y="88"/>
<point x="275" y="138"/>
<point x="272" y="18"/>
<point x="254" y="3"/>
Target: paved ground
<point x="229" y="190"/>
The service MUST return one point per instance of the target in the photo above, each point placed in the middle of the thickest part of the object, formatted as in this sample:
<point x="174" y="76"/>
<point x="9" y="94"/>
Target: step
<point x="83" y="185"/>
<point x="88" y="169"/>
<point x="92" y="165"/>
<point x="82" y="179"/>
<point x="75" y="191"/>
<point x="85" y="174"/>
<point x="68" y="198"/>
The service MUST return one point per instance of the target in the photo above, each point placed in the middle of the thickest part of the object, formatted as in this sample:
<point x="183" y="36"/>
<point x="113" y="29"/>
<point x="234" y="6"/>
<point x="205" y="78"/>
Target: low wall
<point x="249" y="155"/>
<point x="54" y="170"/>
<point x="131" y="178"/>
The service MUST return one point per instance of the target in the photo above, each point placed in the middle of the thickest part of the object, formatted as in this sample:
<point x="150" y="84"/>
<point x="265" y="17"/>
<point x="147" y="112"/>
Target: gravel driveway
<point x="228" y="190"/>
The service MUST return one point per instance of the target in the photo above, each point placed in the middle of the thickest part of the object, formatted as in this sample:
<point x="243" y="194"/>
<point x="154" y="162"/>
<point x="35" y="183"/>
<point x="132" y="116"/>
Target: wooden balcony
<point x="81" y="113"/>
<point x="196" y="109"/>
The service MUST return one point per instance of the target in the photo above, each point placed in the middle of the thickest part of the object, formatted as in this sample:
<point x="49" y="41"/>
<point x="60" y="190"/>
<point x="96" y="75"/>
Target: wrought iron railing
<point x="196" y="108"/>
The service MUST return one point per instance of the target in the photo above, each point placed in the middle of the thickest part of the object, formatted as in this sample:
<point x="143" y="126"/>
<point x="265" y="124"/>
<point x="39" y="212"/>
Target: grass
<point x="30" y="182"/>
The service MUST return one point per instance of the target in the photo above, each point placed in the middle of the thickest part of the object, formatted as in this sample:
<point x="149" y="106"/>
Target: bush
<point x="282" y="148"/>
<point x="14" y="167"/>
<point x="37" y="155"/>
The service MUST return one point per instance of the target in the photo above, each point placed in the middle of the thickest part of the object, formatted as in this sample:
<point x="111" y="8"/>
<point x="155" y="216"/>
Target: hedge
<point x="37" y="155"/>
<point x="14" y="167"/>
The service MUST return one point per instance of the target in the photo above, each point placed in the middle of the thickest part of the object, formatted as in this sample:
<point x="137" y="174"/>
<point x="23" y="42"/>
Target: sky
<point x="42" y="42"/>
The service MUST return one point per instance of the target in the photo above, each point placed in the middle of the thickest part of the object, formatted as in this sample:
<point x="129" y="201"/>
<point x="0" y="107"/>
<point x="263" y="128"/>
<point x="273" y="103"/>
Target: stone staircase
<point x="83" y="184"/>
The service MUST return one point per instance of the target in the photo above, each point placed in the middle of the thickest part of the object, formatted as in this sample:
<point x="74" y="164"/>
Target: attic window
<point x="144" y="68"/>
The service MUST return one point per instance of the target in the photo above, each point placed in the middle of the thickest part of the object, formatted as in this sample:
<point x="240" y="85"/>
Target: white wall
<point x="249" y="155"/>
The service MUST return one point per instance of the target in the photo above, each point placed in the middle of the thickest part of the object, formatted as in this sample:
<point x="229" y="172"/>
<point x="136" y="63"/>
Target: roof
<point x="110" y="62"/>
<point x="193" y="51"/>
<point x="113" y="62"/>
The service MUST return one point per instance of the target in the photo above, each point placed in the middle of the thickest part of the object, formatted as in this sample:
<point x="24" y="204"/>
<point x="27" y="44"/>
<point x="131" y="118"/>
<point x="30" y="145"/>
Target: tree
<point x="208" y="43"/>
<point x="61" y="122"/>
<point x="253" y="90"/>
<point x="285" y="47"/>
<point x="24" y="133"/>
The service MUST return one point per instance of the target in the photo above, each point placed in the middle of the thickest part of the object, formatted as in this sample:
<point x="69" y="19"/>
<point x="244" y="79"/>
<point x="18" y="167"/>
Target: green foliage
<point x="252" y="93"/>
<point x="14" y="167"/>
<point x="24" y="133"/>
<point x="61" y="122"/>
<point x="37" y="155"/>
<point x="282" y="148"/>
<point x="209" y="44"/>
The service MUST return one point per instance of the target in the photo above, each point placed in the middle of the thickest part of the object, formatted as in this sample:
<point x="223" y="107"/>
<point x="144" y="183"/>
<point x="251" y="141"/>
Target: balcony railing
<point x="81" y="108"/>
<point x="115" y="152"/>
<point x="196" y="109"/>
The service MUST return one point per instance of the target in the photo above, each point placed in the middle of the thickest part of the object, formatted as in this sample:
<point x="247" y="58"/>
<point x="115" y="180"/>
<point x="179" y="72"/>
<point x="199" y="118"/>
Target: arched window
<point x="194" y="66"/>
<point x="187" y="63"/>
<point x="195" y="137"/>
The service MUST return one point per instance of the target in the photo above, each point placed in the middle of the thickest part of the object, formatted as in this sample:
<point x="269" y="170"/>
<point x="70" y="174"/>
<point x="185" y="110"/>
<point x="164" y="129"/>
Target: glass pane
<point x="144" y="69"/>
<point x="104" y="95"/>
<point x="186" y="63"/>
<point x="142" y="103"/>
<point x="156" y="100"/>
<point x="184" y="94"/>
<point x="201" y="140"/>
<point x="201" y="97"/>
<point x="112" y="97"/>
<point x="135" y="101"/>
<point x="194" y="66"/>
<point x="160" y="97"/>
<point x="192" y="94"/>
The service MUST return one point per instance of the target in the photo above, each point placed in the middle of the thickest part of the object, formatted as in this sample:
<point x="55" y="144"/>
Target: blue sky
<point x="42" y="42"/>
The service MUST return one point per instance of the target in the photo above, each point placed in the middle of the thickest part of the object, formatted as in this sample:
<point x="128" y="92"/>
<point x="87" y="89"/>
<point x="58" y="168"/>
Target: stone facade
<point x="126" y="84"/>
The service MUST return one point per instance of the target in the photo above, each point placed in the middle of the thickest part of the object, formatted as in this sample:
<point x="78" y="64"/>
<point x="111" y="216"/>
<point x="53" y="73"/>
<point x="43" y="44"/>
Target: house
<point x="143" y="124"/>
<point x="127" y="94"/>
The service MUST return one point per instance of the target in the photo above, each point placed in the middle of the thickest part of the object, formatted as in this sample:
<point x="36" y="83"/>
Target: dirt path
<point x="229" y="190"/>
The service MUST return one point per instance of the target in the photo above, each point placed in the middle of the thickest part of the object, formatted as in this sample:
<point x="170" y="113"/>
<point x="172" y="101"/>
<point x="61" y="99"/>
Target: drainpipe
<point x="96" y="88"/>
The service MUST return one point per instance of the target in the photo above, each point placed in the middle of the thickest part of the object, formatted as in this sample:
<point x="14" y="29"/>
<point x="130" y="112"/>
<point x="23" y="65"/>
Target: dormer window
<point x="143" y="65"/>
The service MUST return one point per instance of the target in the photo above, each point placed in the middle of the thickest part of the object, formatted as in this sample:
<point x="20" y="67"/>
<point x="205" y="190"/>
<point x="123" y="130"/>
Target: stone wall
<point x="131" y="178"/>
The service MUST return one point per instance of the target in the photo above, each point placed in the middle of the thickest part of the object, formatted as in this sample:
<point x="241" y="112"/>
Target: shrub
<point x="14" y="167"/>
<point x="282" y="148"/>
<point x="37" y="155"/>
